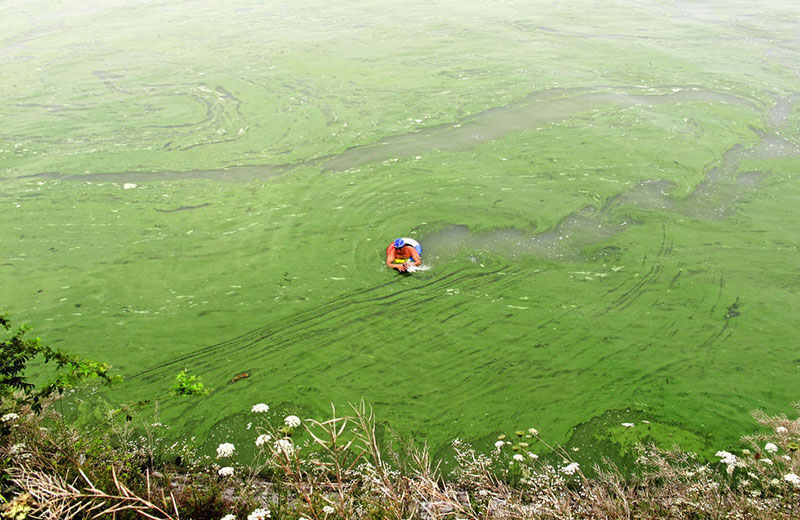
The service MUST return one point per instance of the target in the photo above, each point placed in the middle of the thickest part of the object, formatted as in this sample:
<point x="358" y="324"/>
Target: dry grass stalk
<point x="54" y="498"/>
<point x="392" y="487"/>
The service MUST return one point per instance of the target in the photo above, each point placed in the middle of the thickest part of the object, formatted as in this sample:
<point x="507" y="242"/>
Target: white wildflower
<point x="781" y="430"/>
<point x="9" y="417"/>
<point x="533" y="431"/>
<point x="533" y="455"/>
<point x="284" y="446"/>
<point x="16" y="448"/>
<point x="570" y="469"/>
<point x="260" y="408"/>
<point x="792" y="478"/>
<point x="225" y="449"/>
<point x="263" y="439"/>
<point x="627" y="424"/>
<point x="770" y="448"/>
<point x="228" y="517"/>
<point x="786" y="458"/>
<point x="328" y="510"/>
<point x="727" y="458"/>
<point x="259" y="514"/>
<point x="227" y="471"/>
<point x="775" y="482"/>
<point x="499" y="445"/>
<point x="292" y="421"/>
<point x="518" y="457"/>
<point x="767" y="461"/>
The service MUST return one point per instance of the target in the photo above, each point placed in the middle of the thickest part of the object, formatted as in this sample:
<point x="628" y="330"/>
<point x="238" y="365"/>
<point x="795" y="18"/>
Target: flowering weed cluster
<point x="338" y="469"/>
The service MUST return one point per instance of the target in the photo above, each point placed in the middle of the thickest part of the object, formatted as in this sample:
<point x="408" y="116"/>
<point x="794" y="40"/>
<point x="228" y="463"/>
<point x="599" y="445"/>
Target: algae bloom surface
<point x="606" y="195"/>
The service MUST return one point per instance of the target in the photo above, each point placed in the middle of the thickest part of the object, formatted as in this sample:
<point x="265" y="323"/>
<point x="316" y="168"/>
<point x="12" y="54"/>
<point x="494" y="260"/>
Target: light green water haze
<point x="606" y="194"/>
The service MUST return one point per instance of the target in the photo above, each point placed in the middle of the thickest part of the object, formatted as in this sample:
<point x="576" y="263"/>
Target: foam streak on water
<point x="418" y="268"/>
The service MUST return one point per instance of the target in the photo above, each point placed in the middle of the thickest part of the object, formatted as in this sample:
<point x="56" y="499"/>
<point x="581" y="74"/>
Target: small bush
<point x="186" y="384"/>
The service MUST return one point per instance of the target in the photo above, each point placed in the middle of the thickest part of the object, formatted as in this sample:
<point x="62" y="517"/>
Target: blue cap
<point x="399" y="243"/>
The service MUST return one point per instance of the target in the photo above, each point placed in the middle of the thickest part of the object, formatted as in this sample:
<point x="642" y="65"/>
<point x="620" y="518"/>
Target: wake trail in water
<point x="285" y="332"/>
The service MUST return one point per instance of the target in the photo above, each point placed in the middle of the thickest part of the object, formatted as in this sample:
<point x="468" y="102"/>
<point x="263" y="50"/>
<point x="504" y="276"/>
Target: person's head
<point x="399" y="243"/>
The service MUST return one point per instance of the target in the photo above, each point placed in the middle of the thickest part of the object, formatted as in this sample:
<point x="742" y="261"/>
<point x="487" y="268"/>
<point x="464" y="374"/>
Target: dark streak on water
<point x="184" y="208"/>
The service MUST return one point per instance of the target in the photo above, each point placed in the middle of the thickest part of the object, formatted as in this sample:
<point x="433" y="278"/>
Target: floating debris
<point x="239" y="377"/>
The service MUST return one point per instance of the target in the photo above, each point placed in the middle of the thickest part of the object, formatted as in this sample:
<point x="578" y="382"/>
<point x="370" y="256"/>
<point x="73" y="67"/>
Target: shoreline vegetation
<point x="349" y="467"/>
<point x="342" y="470"/>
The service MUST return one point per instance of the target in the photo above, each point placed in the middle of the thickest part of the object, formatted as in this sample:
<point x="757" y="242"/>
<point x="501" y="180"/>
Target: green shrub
<point x="17" y="352"/>
<point x="187" y="384"/>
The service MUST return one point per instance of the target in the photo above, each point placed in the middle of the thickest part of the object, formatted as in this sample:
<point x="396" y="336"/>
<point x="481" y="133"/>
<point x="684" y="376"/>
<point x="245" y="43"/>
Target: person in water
<point x="400" y="255"/>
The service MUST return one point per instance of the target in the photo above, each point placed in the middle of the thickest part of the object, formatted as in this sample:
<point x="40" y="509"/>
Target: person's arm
<point x="415" y="256"/>
<point x="390" y="261"/>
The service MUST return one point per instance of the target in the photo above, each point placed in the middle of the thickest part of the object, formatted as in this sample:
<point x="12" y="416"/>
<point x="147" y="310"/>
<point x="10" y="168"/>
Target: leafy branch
<point x="18" y="351"/>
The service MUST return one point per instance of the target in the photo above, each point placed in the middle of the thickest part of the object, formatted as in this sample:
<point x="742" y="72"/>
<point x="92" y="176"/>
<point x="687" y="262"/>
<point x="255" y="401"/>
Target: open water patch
<point x="536" y="110"/>
<point x="714" y="198"/>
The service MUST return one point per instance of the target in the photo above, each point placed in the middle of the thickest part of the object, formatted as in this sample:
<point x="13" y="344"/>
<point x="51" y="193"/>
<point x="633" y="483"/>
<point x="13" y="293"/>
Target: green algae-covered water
<point x="606" y="194"/>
